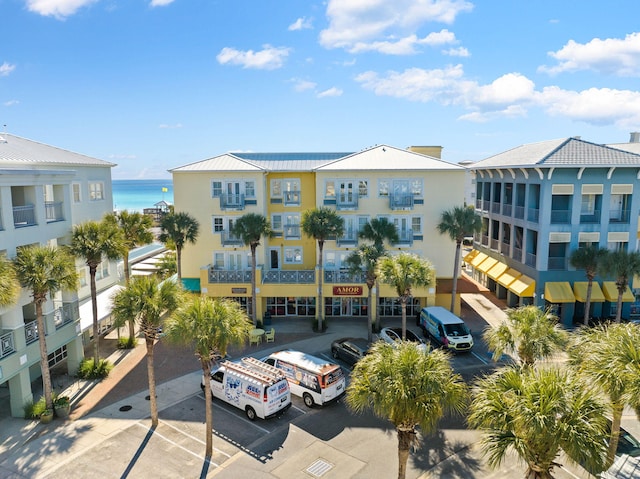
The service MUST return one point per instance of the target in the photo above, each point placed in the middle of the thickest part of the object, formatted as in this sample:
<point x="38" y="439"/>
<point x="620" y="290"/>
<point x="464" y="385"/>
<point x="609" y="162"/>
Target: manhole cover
<point x="319" y="468"/>
<point x="126" y="408"/>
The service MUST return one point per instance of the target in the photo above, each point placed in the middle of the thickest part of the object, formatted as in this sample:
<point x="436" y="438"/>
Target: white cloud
<point x="160" y="3"/>
<point x="11" y="103"/>
<point x="508" y="96"/>
<point x="358" y="23"/>
<point x="57" y="8"/>
<point x="6" y="69"/>
<point x="269" y="58"/>
<point x="330" y="92"/>
<point x="302" y="85"/>
<point x="406" y="45"/>
<point x="610" y="56"/>
<point x="456" y="52"/>
<point x="301" y="24"/>
<point x="170" y="127"/>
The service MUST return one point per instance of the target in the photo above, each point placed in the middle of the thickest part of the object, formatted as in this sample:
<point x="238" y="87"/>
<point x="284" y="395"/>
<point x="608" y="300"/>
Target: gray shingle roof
<point x="17" y="152"/>
<point x="567" y="152"/>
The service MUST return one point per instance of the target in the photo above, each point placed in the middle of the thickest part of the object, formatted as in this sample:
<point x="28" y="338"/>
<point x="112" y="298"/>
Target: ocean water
<point x="136" y="195"/>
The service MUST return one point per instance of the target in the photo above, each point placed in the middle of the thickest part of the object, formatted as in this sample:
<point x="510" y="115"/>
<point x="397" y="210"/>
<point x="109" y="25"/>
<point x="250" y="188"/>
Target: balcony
<point x="53" y="211"/>
<point x="507" y="209"/>
<point x="531" y="260"/>
<point x="232" y="202"/>
<point x="342" y="276"/>
<point x="504" y="248"/>
<point x="590" y="218"/>
<point x="347" y="201"/>
<point x="31" y="332"/>
<point x="405" y="238"/>
<point x="484" y="241"/>
<point x="291" y="231"/>
<point x="290" y="277"/>
<point x="229" y="239"/>
<point x="533" y="215"/>
<point x="495" y="207"/>
<point x="7" y="344"/>
<point x="617" y="216"/>
<point x="557" y="263"/>
<point x="24" y="216"/>
<point x="291" y="198"/>
<point x="229" y="276"/>
<point x="519" y="212"/>
<point x="67" y="313"/>
<point x="350" y="238"/>
<point x="517" y="254"/>
<point x="485" y="205"/>
<point x="494" y="244"/>
<point x="401" y="201"/>
<point x="560" y="217"/>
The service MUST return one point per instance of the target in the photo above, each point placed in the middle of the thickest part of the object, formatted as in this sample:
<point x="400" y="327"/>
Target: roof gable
<point x="226" y="162"/>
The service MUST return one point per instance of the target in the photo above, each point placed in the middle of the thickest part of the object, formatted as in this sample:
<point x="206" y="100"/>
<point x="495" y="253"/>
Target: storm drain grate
<point x="319" y="468"/>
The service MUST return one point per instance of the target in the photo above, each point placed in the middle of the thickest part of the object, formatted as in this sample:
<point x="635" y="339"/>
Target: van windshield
<point x="456" y="329"/>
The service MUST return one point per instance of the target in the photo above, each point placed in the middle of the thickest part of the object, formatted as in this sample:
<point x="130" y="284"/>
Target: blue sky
<point x="155" y="84"/>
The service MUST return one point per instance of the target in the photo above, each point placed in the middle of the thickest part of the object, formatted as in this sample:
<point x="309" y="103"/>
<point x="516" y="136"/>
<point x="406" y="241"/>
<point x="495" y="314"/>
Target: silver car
<point x="391" y="335"/>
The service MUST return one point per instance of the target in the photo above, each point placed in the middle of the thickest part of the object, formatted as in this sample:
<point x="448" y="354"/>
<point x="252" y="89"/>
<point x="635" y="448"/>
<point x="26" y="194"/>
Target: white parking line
<point x="192" y="437"/>
<point x="266" y="431"/>
<point x="156" y="433"/>
<point x="480" y="358"/>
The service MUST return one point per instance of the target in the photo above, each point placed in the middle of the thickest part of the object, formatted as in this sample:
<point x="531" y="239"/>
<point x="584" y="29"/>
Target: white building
<point x="44" y="191"/>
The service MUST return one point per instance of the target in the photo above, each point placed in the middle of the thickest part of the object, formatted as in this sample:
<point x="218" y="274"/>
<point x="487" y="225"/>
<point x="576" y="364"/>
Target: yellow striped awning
<point x="524" y="286"/>
<point x="496" y="270"/>
<point x="470" y="255"/>
<point x="509" y="277"/>
<point x="580" y="292"/>
<point x="610" y="291"/>
<point x="558" y="292"/>
<point x="487" y="264"/>
<point x="477" y="259"/>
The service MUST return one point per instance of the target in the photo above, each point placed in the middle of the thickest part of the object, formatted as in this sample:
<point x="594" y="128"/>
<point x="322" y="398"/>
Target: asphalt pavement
<point x="109" y="433"/>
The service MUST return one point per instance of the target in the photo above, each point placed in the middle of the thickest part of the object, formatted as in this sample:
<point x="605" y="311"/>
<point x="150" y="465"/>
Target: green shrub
<point x="127" y="343"/>
<point x="88" y="370"/>
<point x="34" y="410"/>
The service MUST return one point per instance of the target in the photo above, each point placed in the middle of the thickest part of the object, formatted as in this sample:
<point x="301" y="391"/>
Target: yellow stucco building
<point x="410" y="189"/>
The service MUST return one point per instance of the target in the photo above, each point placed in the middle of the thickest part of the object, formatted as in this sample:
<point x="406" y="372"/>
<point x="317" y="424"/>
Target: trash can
<point x="267" y="319"/>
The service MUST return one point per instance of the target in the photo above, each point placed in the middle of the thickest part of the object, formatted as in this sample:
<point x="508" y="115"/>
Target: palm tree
<point x="94" y="242"/>
<point x="136" y="229"/>
<point x="365" y="257"/>
<point x="529" y="333"/>
<point x="609" y="357"/>
<point x="589" y="259"/>
<point x="624" y="266"/>
<point x="407" y="386"/>
<point x="146" y="301"/>
<point x="320" y="224"/>
<point x="378" y="230"/>
<point x="536" y="412"/>
<point x="404" y="272"/>
<point x="45" y="270"/>
<point x="459" y="222"/>
<point x="250" y="228"/>
<point x="211" y="326"/>
<point x="9" y="285"/>
<point x="179" y="229"/>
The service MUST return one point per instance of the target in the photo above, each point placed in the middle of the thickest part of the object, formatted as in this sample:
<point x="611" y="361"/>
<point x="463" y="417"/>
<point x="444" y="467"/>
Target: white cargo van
<point x="259" y="389"/>
<point x="315" y="380"/>
<point x="446" y="328"/>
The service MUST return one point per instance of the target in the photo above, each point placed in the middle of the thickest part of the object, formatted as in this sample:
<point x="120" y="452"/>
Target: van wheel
<point x="308" y="400"/>
<point x="251" y="413"/>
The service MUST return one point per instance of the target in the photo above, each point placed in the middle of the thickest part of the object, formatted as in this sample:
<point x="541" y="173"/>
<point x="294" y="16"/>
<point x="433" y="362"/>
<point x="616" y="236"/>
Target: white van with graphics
<point x="446" y="328"/>
<point x="258" y="389"/>
<point x="315" y="380"/>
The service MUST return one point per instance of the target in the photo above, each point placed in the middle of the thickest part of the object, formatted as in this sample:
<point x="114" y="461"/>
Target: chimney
<point x="635" y="137"/>
<point x="433" y="151"/>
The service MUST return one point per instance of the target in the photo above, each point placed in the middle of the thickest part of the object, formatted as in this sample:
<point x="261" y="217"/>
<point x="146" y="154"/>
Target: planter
<point x="63" y="411"/>
<point x="46" y="417"/>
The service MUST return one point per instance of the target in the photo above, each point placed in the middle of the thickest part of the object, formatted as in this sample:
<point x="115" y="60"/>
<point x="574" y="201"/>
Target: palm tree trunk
<point x="132" y="329"/>
<point x="208" y="408"/>
<point x="369" y="320"/>
<point x="127" y="273"/>
<point x="587" y="303"/>
<point x="378" y="325"/>
<point x="619" y="304"/>
<point x="44" y="359"/>
<point x="179" y="265"/>
<point x="456" y="272"/>
<point x="94" y="311"/>
<point x="152" y="383"/>
<point x="616" y="419"/>
<point x="403" y="303"/>
<point x="253" y="285"/>
<point x="405" y="439"/>
<point x="320" y="299"/>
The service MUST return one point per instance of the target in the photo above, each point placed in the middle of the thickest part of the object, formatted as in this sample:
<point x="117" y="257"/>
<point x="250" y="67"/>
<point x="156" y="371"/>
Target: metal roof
<point x="20" y="152"/>
<point x="567" y="152"/>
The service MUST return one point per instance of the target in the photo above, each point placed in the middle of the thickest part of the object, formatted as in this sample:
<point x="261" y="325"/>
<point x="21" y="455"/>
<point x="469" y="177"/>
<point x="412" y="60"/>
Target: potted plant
<point x="47" y="416"/>
<point x="62" y="406"/>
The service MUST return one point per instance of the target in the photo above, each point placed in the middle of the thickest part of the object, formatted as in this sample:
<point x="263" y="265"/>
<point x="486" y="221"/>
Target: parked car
<point x="627" y="445"/>
<point x="391" y="335"/>
<point x="350" y="350"/>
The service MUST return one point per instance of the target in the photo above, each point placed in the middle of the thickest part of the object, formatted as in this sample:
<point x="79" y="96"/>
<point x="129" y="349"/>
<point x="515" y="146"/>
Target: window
<point x="330" y="189"/>
<point x="363" y="188"/>
<point x="216" y="189"/>
<point x="75" y="187"/>
<point x="276" y="188"/>
<point x="276" y="222"/>
<point x="292" y="226"/>
<point x="218" y="260"/>
<point x="416" y="187"/>
<point x="218" y="224"/>
<point x="588" y="205"/>
<point x="250" y="189"/>
<point x="96" y="191"/>
<point x="416" y="224"/>
<point x="383" y="187"/>
<point x="293" y="255"/>
<point x="82" y="274"/>
<point x="291" y="192"/>
<point x="103" y="269"/>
